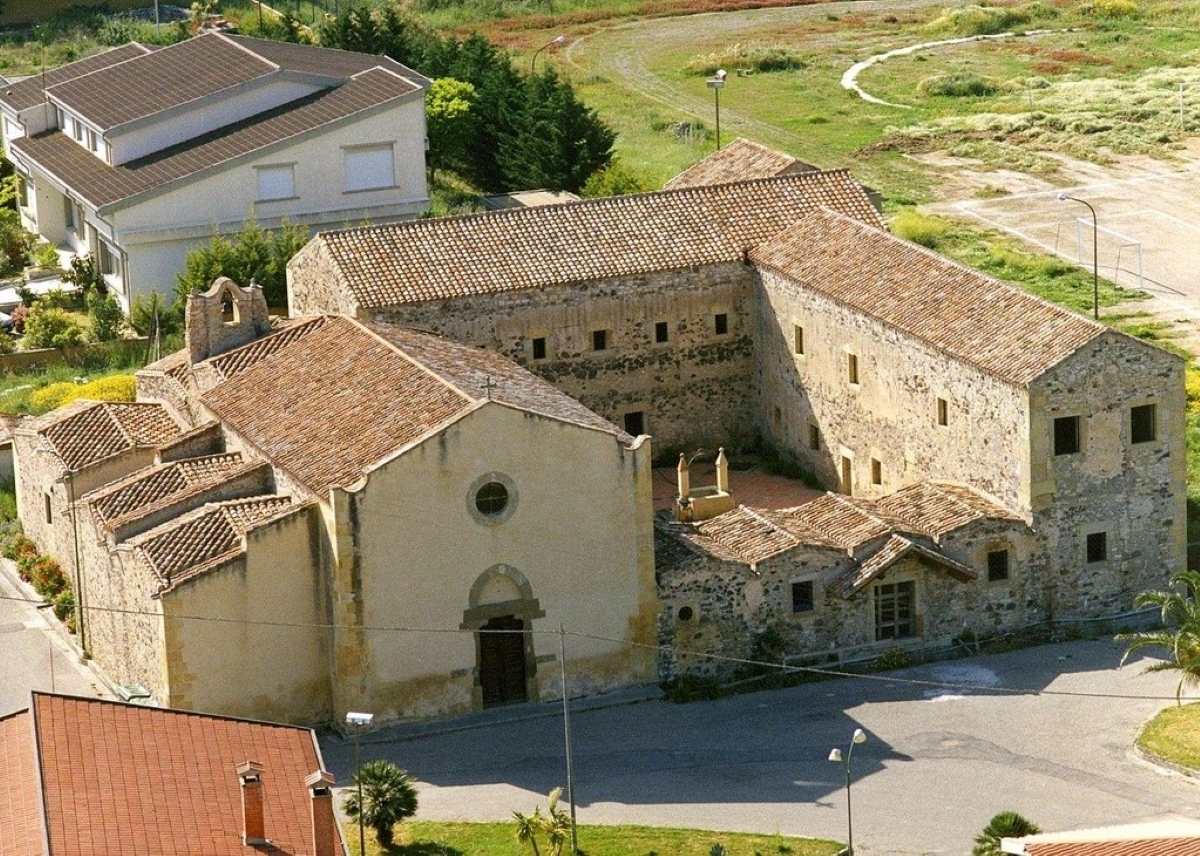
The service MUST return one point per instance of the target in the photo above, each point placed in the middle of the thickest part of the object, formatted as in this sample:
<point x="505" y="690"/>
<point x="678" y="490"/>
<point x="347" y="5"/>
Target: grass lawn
<point x="426" y="838"/>
<point x="1174" y="735"/>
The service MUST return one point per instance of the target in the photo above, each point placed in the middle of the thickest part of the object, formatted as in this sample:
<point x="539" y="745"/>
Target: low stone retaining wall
<point x="42" y="357"/>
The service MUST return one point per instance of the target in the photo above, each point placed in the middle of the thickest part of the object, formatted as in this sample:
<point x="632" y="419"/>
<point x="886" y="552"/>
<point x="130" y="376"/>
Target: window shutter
<point x="370" y="168"/>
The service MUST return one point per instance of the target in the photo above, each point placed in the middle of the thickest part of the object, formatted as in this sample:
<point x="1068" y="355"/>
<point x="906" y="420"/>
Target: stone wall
<point x="891" y="414"/>
<point x="1133" y="493"/>
<point x="713" y="607"/>
<point x="694" y="389"/>
<point x="314" y="284"/>
<point x="123" y="619"/>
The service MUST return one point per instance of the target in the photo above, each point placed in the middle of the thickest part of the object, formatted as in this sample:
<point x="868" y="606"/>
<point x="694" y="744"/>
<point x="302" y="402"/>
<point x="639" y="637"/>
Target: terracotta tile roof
<point x="29" y="92"/>
<point x="1142" y="847"/>
<point x="101" y="184"/>
<point x="482" y="374"/>
<point x="144" y="490"/>
<point x="738" y="161"/>
<point x="356" y="396"/>
<point x="204" y="539"/>
<point x="503" y="251"/>
<point x="352" y="400"/>
<point x="20" y="813"/>
<point x="989" y="324"/>
<point x="84" y="433"/>
<point x="835" y="521"/>
<point x="935" y="508"/>
<point x="896" y="547"/>
<point x="119" y="778"/>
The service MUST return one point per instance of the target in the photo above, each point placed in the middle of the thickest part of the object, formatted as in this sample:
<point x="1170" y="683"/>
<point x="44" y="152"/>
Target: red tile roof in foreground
<point x="84" y="433"/>
<point x="1141" y="847"/>
<point x="119" y="778"/>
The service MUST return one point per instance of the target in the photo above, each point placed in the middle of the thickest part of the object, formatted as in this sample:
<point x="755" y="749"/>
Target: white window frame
<point x="370" y="167"/>
<point x="276" y="182"/>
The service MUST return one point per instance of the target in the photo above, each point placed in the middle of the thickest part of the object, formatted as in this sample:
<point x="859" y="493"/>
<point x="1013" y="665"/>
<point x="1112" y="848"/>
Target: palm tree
<point x="1180" y="611"/>
<point x="388" y="796"/>
<point x="1007" y="824"/>
<point x="528" y="827"/>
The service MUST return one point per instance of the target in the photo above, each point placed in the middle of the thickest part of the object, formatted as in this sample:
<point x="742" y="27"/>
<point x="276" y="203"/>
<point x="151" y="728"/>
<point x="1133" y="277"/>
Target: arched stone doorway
<point x="501" y="612"/>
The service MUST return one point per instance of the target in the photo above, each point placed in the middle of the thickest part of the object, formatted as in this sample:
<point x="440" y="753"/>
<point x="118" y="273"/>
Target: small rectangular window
<point x="661" y="332"/>
<point x="997" y="565"/>
<point x="802" y="597"/>
<point x="852" y="367"/>
<point x="847" y="475"/>
<point x="1097" y="547"/>
<point x="721" y="323"/>
<point x="876" y="471"/>
<point x="1066" y="435"/>
<point x="635" y="423"/>
<point x="599" y="340"/>
<point x="1141" y="424"/>
<point x="778" y="417"/>
<point x="276" y="182"/>
<point x="49" y="508"/>
<point x="814" y="438"/>
<point x="370" y="167"/>
<point x="943" y="411"/>
<point x="798" y="339"/>
<point x="539" y="348"/>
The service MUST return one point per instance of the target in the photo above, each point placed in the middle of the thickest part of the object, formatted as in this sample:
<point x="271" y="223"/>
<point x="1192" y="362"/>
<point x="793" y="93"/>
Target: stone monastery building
<point x="395" y="499"/>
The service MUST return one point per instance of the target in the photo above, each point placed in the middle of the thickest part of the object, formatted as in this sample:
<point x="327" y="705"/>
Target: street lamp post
<point x="1063" y="197"/>
<point x="859" y="736"/>
<point x="557" y="40"/>
<point x="716" y="83"/>
<point x="359" y="721"/>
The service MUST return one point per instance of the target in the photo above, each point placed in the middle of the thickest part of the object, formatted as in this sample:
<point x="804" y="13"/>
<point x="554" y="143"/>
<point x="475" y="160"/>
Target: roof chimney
<point x="324" y="831"/>
<point x="253" y="826"/>
<point x="722" y="472"/>
<point x="681" y="472"/>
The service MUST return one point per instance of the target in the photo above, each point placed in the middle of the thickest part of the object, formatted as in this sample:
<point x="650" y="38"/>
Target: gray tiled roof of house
<point x="31" y="91"/>
<point x="994" y="326"/>
<point x="101" y="184"/>
<point x="200" y="68"/>
<point x="595" y="239"/>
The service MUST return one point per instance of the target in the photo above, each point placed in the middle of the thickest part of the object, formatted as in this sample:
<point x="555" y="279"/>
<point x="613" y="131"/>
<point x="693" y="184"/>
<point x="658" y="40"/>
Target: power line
<point x="678" y="652"/>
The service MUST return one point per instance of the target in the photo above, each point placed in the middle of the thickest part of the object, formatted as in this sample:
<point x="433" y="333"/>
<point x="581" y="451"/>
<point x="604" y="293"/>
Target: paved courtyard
<point x="939" y="762"/>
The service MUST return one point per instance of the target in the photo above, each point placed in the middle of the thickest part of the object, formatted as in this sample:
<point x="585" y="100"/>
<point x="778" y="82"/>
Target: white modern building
<point x="139" y="154"/>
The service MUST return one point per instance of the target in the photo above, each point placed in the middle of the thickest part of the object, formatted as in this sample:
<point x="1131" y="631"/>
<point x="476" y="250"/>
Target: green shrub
<point x="892" y="658"/>
<point x="1112" y="9"/>
<point x="46" y="576"/>
<point x="978" y="20"/>
<point x="16" y="546"/>
<point x="44" y="256"/>
<point x="64" y="605"/>
<point x="51" y="328"/>
<point x="616" y="179"/>
<point x="758" y="58"/>
<point x="107" y="317"/>
<point x="25" y="562"/>
<point x="15" y="242"/>
<point x="150" y="309"/>
<point x="957" y="85"/>
<point x="923" y="229"/>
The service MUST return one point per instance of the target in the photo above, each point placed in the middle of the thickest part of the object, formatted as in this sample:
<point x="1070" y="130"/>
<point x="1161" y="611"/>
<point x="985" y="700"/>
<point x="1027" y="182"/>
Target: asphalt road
<point x="937" y="765"/>
<point x="34" y="657"/>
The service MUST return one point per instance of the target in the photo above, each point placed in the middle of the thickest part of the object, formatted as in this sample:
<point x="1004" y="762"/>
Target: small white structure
<point x="138" y="155"/>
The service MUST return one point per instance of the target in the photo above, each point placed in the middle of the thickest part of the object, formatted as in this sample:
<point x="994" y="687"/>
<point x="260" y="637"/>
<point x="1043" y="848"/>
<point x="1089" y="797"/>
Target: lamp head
<point x="359" y="719"/>
<point x="721" y="74"/>
<point x="860" y="736"/>
<point x="558" y="40"/>
<point x="835" y="755"/>
<point x="1062" y="196"/>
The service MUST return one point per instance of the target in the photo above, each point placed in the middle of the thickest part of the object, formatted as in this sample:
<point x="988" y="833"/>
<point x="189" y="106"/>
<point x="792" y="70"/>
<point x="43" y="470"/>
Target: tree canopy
<point x="518" y="131"/>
